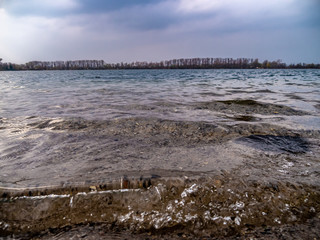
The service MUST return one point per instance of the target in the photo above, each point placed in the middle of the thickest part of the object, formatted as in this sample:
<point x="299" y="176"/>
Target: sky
<point x="155" y="30"/>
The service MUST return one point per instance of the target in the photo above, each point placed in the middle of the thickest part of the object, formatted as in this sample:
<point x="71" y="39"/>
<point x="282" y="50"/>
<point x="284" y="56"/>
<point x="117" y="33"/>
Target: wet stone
<point x="193" y="209"/>
<point x="248" y="106"/>
<point x="245" y="118"/>
<point x="276" y="143"/>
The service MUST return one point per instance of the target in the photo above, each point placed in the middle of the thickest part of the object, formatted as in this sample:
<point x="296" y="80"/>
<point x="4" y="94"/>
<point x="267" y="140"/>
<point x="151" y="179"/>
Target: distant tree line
<point x="183" y="63"/>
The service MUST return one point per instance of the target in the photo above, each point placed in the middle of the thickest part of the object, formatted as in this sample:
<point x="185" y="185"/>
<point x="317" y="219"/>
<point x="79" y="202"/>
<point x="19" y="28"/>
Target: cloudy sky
<point x="154" y="30"/>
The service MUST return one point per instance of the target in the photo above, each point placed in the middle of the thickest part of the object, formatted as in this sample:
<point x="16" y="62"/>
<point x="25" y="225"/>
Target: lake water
<point x="61" y="129"/>
<point x="154" y="93"/>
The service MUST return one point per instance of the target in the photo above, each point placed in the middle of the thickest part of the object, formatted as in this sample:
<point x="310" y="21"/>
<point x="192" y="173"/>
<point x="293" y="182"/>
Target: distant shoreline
<point x="183" y="63"/>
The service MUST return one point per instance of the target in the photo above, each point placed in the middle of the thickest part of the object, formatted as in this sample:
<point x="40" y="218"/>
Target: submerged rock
<point x="289" y="144"/>
<point x="248" y="106"/>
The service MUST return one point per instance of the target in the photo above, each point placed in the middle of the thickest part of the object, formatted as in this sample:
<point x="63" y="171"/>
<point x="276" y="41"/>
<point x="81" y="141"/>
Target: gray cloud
<point x="128" y="30"/>
<point x="98" y="6"/>
<point x="40" y="7"/>
<point x="144" y="18"/>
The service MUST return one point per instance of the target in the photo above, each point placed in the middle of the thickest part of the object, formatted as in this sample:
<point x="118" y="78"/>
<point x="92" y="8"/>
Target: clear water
<point x="74" y="126"/>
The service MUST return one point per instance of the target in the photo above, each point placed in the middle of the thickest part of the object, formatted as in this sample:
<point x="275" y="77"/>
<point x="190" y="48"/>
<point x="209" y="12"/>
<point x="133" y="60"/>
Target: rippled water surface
<point x="178" y="134"/>
<point x="61" y="123"/>
<point x="159" y="93"/>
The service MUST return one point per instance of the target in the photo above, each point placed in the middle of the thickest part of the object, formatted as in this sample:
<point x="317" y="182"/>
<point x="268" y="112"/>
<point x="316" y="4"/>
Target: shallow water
<point x="65" y="129"/>
<point x="79" y="124"/>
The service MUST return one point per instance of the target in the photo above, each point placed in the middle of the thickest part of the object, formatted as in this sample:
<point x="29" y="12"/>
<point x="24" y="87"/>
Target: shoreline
<point x="269" y="181"/>
<point x="182" y="63"/>
<point x="119" y="69"/>
<point x="224" y="205"/>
